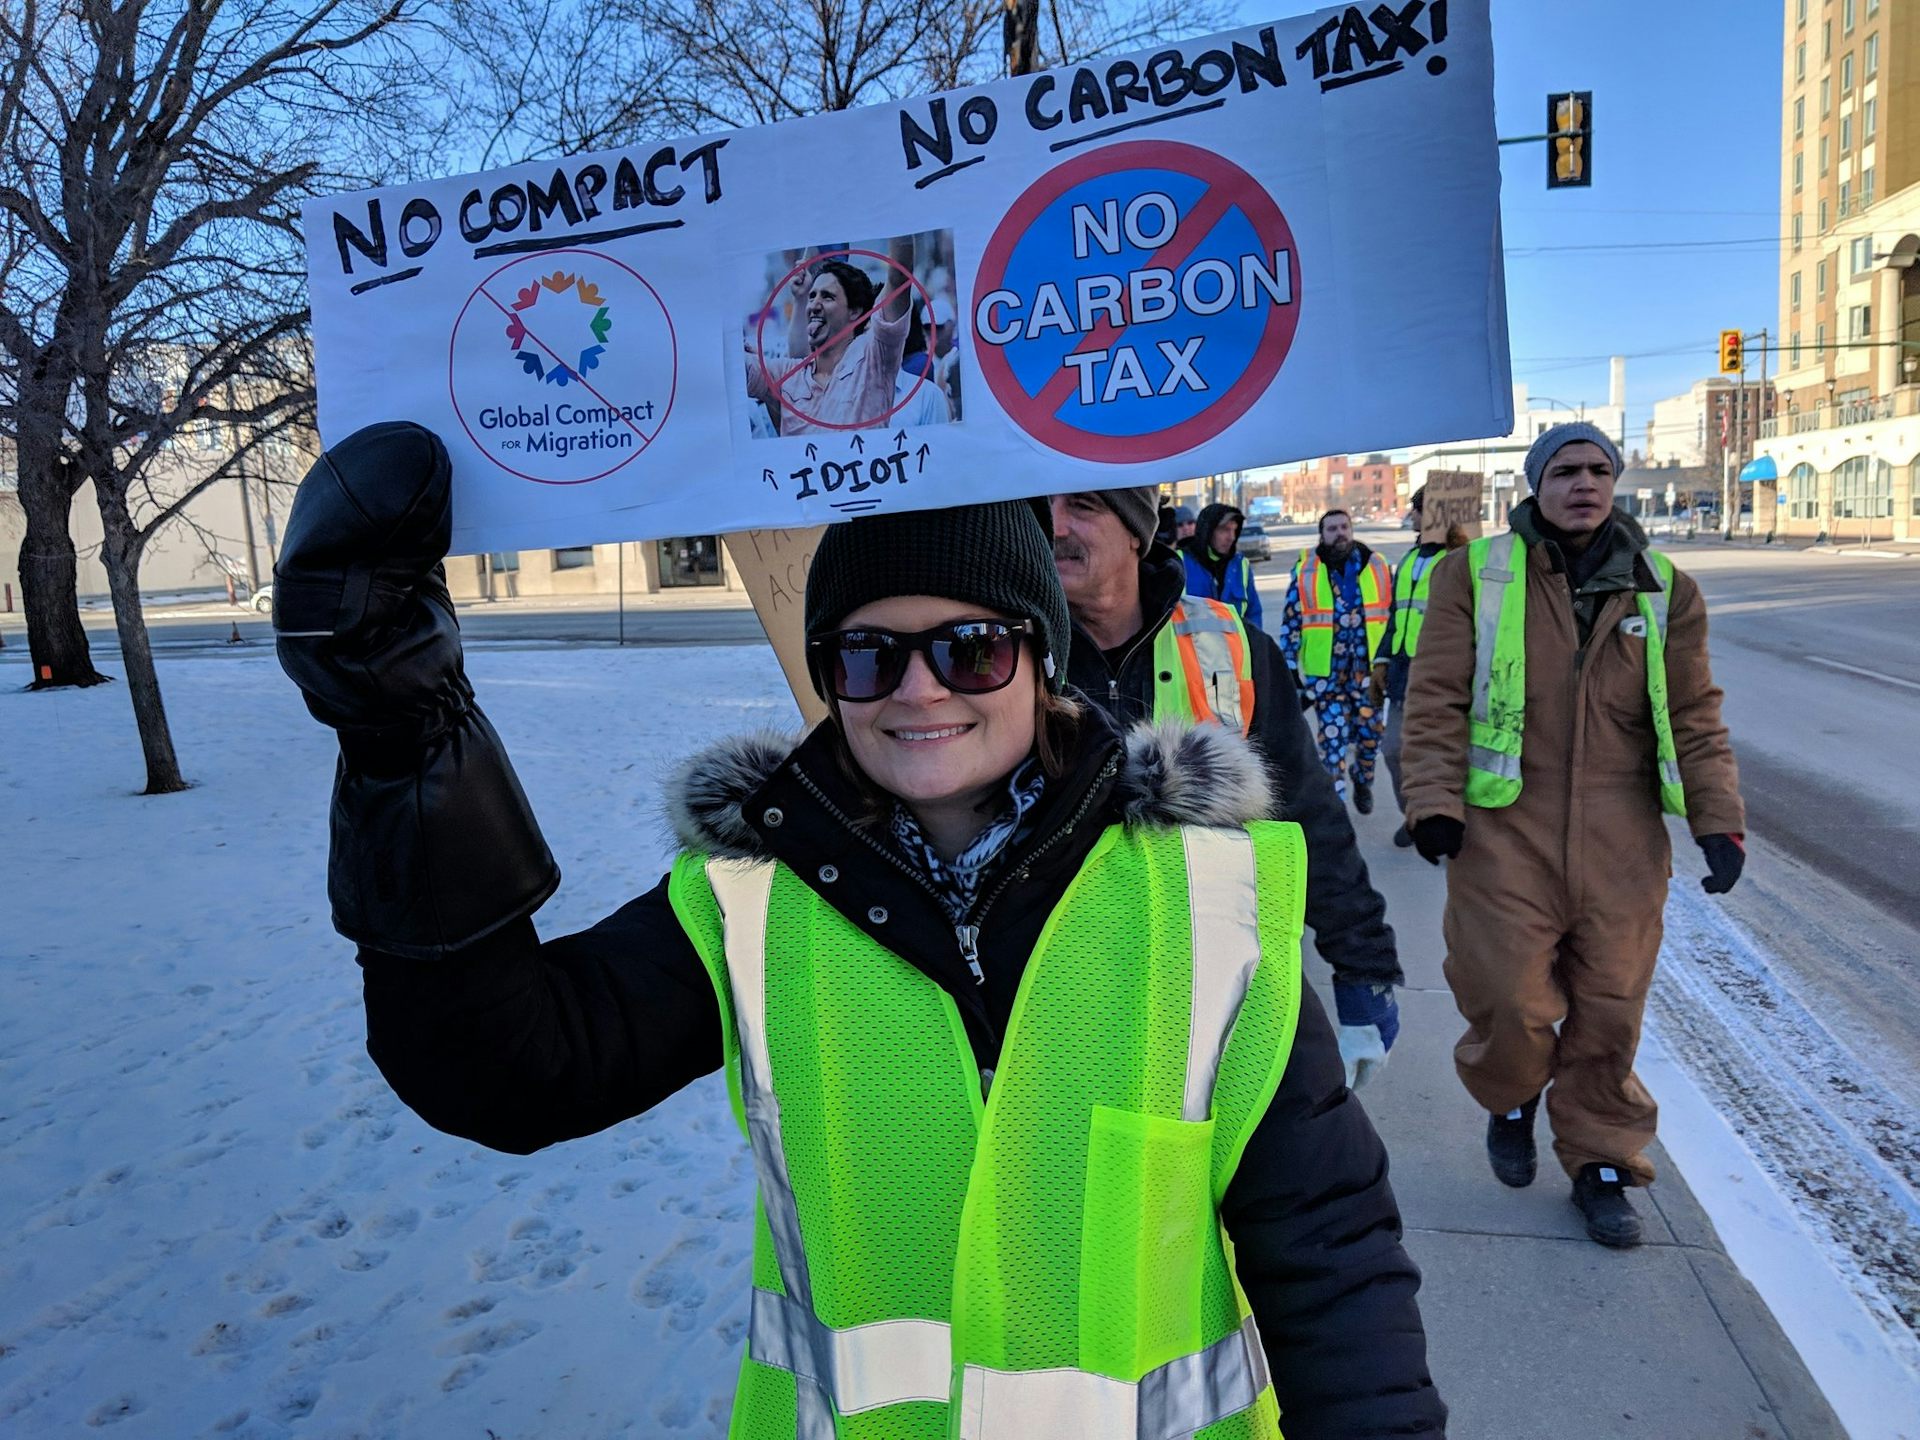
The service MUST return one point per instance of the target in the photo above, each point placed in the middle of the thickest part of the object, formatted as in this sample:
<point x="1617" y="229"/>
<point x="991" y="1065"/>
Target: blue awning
<point x="1759" y="468"/>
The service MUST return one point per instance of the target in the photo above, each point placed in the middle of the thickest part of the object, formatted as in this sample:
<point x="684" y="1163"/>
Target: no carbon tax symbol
<point x="1136" y="301"/>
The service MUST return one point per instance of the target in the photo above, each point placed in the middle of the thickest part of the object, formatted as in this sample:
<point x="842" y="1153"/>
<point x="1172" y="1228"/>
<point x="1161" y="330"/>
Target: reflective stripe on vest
<point x="1169" y="1403"/>
<point x="1319" y="609"/>
<point x="1244" y="896"/>
<point x="1203" y="666"/>
<point x="1411" y="586"/>
<point x="1497" y="718"/>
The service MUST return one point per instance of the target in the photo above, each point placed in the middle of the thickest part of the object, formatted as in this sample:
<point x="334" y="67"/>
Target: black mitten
<point x="434" y="844"/>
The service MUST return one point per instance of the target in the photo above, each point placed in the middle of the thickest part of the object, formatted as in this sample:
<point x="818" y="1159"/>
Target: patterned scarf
<point x="959" y="881"/>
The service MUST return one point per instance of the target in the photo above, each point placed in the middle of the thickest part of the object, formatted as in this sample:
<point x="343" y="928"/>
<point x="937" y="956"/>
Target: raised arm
<point x="436" y="862"/>
<point x="900" y="301"/>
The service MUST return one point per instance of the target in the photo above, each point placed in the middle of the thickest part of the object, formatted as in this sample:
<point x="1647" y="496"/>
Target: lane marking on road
<point x="1857" y="670"/>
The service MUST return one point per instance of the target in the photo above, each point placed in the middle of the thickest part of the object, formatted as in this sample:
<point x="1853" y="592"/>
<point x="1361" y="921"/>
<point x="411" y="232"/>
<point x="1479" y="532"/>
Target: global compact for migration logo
<point x="539" y="355"/>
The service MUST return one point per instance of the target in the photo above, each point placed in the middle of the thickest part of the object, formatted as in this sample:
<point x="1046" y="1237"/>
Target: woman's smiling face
<point x="931" y="747"/>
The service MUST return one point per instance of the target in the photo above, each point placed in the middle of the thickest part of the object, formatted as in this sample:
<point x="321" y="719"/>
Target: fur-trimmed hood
<point x="1170" y="774"/>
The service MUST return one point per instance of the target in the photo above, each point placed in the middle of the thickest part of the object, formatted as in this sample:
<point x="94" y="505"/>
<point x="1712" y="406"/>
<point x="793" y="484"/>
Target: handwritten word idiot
<point x="1203" y="288"/>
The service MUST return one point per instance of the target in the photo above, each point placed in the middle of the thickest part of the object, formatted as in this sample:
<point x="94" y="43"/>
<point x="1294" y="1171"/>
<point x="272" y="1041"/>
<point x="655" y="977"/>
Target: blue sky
<point x="1686" y="97"/>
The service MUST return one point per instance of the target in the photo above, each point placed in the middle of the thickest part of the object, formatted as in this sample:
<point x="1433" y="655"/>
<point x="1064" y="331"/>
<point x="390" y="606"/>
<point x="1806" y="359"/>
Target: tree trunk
<point x="49" y="571"/>
<point x="122" y="555"/>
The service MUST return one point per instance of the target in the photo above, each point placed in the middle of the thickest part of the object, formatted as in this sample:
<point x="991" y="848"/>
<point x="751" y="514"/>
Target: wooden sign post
<point x="772" y="566"/>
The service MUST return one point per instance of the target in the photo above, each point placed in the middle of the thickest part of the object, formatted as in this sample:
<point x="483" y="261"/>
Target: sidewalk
<point x="1534" y="1330"/>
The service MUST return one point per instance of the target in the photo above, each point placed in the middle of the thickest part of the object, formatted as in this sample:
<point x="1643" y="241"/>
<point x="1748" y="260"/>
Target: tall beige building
<point x="1845" y="442"/>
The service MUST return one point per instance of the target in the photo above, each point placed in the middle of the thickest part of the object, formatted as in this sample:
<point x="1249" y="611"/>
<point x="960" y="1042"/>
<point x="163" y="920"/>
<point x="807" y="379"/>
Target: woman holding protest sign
<point x="1009" y="1004"/>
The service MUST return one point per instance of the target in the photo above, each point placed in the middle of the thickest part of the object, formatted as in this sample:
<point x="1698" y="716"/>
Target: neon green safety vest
<point x="1319" y="609"/>
<point x="942" y="1252"/>
<point x="1498" y="716"/>
<point x="1203" y="666"/>
<point x="1411" y="586"/>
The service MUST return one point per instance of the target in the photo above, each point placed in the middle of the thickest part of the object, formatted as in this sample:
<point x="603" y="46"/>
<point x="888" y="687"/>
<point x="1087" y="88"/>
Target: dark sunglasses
<point x="968" y="657"/>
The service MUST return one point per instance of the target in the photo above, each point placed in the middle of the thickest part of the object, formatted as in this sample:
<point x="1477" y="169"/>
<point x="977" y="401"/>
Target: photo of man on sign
<point x="850" y="338"/>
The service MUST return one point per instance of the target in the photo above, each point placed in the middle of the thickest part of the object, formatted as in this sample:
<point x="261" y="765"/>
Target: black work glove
<point x="1438" y="837"/>
<point x="1726" y="858"/>
<point x="433" y="843"/>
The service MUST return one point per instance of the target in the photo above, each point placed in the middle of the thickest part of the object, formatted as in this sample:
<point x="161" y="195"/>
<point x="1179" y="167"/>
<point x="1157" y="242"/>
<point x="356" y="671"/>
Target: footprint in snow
<point x="112" y="1412"/>
<point x="491" y="1339"/>
<point x="673" y="1282"/>
<point x="390" y="1224"/>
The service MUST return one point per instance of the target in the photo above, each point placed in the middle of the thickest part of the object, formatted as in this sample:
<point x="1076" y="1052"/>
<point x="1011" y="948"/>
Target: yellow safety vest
<point x="1313" y="582"/>
<point x="1035" y="1251"/>
<point x="1411" y="586"/>
<point x="1498" y="717"/>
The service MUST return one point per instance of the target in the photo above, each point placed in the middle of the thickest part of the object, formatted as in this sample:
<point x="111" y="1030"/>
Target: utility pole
<point x="1730" y="496"/>
<point x="1758" y="420"/>
<point x="246" y="500"/>
<point x="1020" y="34"/>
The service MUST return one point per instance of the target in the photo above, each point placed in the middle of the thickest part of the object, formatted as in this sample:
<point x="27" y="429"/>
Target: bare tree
<point x="558" y="77"/>
<point x="153" y="154"/>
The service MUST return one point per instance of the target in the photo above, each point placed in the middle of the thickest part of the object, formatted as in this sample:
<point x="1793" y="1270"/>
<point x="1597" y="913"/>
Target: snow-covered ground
<point x="215" y="1218"/>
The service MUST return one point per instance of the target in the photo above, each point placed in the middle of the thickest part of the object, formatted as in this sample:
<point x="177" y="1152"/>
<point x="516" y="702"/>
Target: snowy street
<point x="219" y="1221"/>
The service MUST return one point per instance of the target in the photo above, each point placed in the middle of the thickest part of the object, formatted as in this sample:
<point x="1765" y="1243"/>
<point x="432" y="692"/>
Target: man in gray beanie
<point x="1540" y="771"/>
<point x="1143" y="649"/>
<point x="1556" y="439"/>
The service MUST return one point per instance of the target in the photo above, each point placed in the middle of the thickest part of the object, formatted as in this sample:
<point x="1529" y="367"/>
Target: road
<point x="208" y="626"/>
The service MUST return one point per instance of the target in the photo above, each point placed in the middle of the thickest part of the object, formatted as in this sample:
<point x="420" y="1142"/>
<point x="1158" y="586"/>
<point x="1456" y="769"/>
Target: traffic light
<point x="1732" y="361"/>
<point x="1569" y="139"/>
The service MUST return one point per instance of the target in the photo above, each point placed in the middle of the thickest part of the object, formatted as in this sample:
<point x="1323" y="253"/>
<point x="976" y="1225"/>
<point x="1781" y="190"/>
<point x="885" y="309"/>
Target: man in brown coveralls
<point x="1554" y="898"/>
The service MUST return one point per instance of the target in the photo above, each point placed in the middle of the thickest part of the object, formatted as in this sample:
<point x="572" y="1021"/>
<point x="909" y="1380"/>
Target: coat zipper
<point x="970" y="932"/>
<point x="967" y="933"/>
<point x="892" y="859"/>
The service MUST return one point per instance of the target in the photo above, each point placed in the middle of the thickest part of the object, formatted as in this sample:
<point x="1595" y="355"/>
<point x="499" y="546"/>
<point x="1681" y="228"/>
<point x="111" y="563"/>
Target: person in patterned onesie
<point x="1335" y="619"/>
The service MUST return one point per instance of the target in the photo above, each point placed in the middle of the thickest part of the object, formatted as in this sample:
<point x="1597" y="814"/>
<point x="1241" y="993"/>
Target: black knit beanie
<point x="997" y="556"/>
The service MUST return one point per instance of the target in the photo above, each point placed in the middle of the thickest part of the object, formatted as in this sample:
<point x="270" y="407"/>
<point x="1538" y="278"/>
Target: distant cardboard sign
<point x="1454" y="497"/>
<point x="1128" y="272"/>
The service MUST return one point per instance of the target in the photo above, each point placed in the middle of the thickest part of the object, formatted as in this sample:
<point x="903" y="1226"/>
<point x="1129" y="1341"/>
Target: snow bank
<point x="215" y="1219"/>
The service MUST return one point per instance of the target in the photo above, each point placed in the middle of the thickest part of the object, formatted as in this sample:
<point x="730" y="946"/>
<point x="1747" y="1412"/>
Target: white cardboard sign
<point x="1273" y="243"/>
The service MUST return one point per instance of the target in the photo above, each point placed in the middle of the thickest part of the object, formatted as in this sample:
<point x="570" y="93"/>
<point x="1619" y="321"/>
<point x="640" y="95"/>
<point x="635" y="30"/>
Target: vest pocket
<point x="1148" y="1213"/>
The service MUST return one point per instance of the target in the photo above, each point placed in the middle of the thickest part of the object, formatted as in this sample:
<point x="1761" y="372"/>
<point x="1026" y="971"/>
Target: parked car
<point x="1254" y="543"/>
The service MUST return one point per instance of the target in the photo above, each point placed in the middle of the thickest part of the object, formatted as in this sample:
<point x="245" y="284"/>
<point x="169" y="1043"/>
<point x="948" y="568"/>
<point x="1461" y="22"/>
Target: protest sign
<point x="1453" y="498"/>
<point x="771" y="566"/>
<point x="1138" y="270"/>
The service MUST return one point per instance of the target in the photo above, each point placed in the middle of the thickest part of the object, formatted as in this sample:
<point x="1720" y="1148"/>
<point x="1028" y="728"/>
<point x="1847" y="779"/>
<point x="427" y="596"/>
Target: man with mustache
<point x="1560" y="702"/>
<point x="1334" y="624"/>
<point x="1143" y="649"/>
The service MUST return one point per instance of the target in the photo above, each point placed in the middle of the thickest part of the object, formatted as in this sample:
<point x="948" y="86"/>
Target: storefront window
<point x="1862" y="489"/>
<point x="690" y="560"/>
<point x="1803" y="493"/>
<point x="574" y="557"/>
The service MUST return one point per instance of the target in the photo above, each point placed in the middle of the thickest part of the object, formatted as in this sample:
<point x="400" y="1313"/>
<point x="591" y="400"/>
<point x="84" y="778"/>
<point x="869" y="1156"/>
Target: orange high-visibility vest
<point x="1319" y="604"/>
<point x="1203" y="667"/>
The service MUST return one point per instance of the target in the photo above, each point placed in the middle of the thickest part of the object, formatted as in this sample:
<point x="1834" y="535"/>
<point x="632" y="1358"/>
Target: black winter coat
<point x="516" y="1043"/>
<point x="1347" y="915"/>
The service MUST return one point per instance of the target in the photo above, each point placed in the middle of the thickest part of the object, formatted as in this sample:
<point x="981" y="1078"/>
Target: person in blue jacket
<point x="1215" y="568"/>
